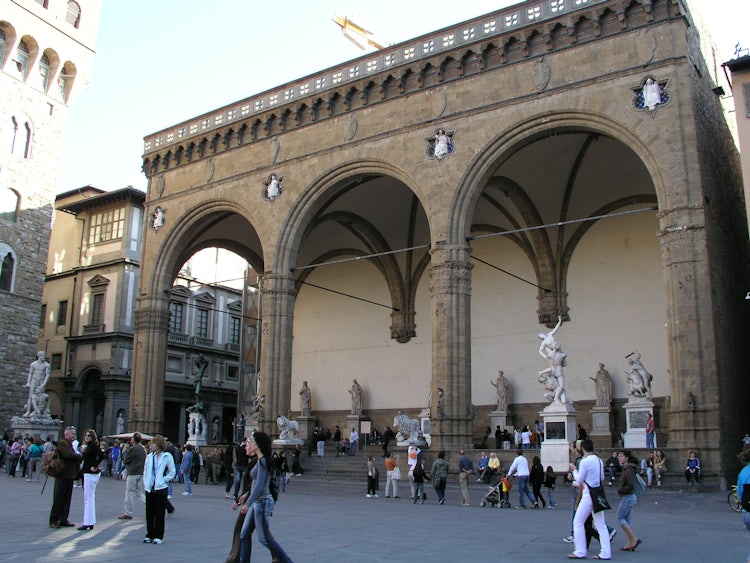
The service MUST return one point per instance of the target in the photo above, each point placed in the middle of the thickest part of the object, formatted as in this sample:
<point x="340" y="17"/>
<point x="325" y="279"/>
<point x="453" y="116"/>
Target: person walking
<point x="158" y="470"/>
<point x="186" y="468"/>
<point x="63" y="491"/>
<point x="589" y="474"/>
<point x="35" y="459"/>
<point x="259" y="504"/>
<point x="439" y="476"/>
<point x="465" y="469"/>
<point x="628" y="498"/>
<point x="134" y="460"/>
<point x="411" y="460"/>
<point x="536" y="478"/>
<point x="92" y="457"/>
<point x="419" y="478"/>
<point x="549" y="483"/>
<point x="520" y="468"/>
<point x="228" y="459"/>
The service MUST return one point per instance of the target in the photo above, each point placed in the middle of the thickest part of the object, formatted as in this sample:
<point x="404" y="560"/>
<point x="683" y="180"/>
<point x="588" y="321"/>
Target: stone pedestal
<point x="197" y="427"/>
<point x="635" y="416"/>
<point x="36" y="427"/>
<point x="503" y="419"/>
<point x="601" y="432"/>
<point x="559" y="432"/>
<point x="306" y="426"/>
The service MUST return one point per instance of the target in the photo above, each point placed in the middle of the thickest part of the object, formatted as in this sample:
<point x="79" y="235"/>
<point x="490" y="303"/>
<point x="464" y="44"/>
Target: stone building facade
<point x="46" y="59"/>
<point x="418" y="215"/>
<point x="87" y="332"/>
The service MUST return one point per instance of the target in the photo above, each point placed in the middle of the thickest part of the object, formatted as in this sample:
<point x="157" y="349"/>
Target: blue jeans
<point x="353" y="448"/>
<point x="550" y="496"/>
<point x="625" y="510"/>
<point x="523" y="488"/>
<point x="188" y="485"/>
<point x="257" y="517"/>
<point x="239" y="471"/>
<point x="650" y="440"/>
<point x="746" y="520"/>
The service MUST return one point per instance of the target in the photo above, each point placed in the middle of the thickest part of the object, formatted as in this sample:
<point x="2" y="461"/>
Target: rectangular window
<point x="233" y="373"/>
<point x="56" y="361"/>
<point x="43" y="317"/>
<point x="62" y="313"/>
<point x="176" y="317"/>
<point x="107" y="225"/>
<point x="234" y="330"/>
<point x="201" y="323"/>
<point x="97" y="309"/>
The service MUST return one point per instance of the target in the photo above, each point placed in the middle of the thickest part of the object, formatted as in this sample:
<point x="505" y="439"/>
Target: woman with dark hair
<point x="536" y="478"/>
<point x="627" y="492"/>
<point x="439" y="476"/>
<point x="92" y="457"/>
<point x="157" y="472"/>
<point x="258" y="506"/>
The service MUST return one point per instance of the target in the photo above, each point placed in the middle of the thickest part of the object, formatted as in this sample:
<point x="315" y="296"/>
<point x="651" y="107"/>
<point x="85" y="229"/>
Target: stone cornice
<point x="515" y="34"/>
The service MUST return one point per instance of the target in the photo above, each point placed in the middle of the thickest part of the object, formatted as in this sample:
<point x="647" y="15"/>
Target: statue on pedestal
<point x="502" y="386"/>
<point x="305" y="401"/>
<point x="201" y="364"/>
<point x="553" y="377"/>
<point x="603" y="387"/>
<point x="638" y="377"/>
<point x="37" y="405"/>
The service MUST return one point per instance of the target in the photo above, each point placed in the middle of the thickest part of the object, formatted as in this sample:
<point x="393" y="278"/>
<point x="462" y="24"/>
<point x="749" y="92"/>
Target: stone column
<point x="450" y="286"/>
<point x="278" y="294"/>
<point x="693" y="380"/>
<point x="146" y="412"/>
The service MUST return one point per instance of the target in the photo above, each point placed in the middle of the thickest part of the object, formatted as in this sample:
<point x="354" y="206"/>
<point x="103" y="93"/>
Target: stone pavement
<point x="318" y="520"/>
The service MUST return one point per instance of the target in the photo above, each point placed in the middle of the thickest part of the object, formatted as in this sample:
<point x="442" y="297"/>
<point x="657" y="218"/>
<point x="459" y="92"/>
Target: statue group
<point x="37" y="404"/>
<point x="553" y="377"/>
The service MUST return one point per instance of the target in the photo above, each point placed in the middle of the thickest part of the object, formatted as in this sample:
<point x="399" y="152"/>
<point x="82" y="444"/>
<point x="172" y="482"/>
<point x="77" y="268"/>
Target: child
<point x="549" y="483"/>
<point x="504" y="502"/>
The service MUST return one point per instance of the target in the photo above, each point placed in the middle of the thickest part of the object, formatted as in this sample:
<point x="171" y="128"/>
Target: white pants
<point x="585" y="507"/>
<point x="133" y="489"/>
<point x="390" y="482"/>
<point x="90" y="481"/>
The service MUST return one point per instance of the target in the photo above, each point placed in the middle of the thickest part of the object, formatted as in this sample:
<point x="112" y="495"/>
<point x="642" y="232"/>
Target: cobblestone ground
<point x="322" y="520"/>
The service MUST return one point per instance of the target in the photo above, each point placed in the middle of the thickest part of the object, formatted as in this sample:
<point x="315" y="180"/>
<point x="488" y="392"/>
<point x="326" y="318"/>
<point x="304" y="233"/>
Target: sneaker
<point x="612" y="534"/>
<point x="228" y="496"/>
<point x="375" y="495"/>
<point x="158" y="541"/>
<point x="124" y="517"/>
<point x="569" y="539"/>
<point x="147" y="540"/>
<point x="441" y="501"/>
<point x="368" y="495"/>
<point x="169" y="497"/>
<point x="187" y="494"/>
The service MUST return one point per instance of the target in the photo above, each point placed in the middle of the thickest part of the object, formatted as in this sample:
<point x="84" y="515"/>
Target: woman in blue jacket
<point x="157" y="472"/>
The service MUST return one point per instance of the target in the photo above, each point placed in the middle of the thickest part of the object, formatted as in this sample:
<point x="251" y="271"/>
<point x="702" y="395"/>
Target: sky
<point x="159" y="63"/>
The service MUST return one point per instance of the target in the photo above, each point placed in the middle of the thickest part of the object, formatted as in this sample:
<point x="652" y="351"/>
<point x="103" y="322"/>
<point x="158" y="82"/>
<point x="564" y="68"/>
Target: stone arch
<point x="177" y="246"/>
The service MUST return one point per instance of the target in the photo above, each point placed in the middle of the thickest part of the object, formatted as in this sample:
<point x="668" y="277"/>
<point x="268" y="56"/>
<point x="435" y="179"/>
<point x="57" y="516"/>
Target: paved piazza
<point x="321" y="520"/>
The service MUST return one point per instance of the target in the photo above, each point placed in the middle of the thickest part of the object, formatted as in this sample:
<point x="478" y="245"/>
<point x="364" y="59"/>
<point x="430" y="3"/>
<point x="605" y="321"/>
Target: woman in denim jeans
<point x="259" y="504"/>
<point x="626" y="489"/>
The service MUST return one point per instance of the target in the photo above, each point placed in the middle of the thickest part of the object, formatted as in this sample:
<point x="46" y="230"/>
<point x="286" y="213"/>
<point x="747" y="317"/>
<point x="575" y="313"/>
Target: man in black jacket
<point x="58" y="516"/>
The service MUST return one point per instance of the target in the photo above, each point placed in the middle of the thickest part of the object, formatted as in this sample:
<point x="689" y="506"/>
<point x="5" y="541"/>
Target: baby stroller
<point x="493" y="497"/>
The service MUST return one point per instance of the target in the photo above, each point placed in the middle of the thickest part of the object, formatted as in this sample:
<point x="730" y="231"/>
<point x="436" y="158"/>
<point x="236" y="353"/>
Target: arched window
<point x="8" y="204"/>
<point x="73" y="17"/>
<point x="7" y="267"/>
<point x="21" y="131"/>
<point x="3" y="46"/>
<point x="22" y="59"/>
<point x="44" y="71"/>
<point x="65" y="80"/>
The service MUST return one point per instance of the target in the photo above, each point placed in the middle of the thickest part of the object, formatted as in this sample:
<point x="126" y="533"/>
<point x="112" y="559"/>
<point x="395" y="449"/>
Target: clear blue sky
<point x="162" y="62"/>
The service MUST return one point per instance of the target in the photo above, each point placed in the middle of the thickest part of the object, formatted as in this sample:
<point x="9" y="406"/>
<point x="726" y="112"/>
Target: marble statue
<point x="158" y="218"/>
<point x="305" y="399"/>
<point x="603" y="387"/>
<point x="356" y="393"/>
<point x="554" y="375"/>
<point x="651" y="94"/>
<point x="502" y="386"/>
<point x="37" y="405"/>
<point x="120" y="423"/>
<point x="289" y="428"/>
<point x="638" y="377"/>
<point x="215" y="430"/>
<point x="409" y="429"/>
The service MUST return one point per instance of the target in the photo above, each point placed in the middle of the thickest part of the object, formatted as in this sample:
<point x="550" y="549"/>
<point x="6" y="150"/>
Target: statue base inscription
<point x="559" y="431"/>
<point x="37" y="427"/>
<point x="601" y="433"/>
<point x="636" y="412"/>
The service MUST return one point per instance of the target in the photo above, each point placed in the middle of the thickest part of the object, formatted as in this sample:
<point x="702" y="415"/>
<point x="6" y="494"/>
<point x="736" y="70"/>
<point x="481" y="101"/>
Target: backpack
<point x="640" y="486"/>
<point x="52" y="464"/>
